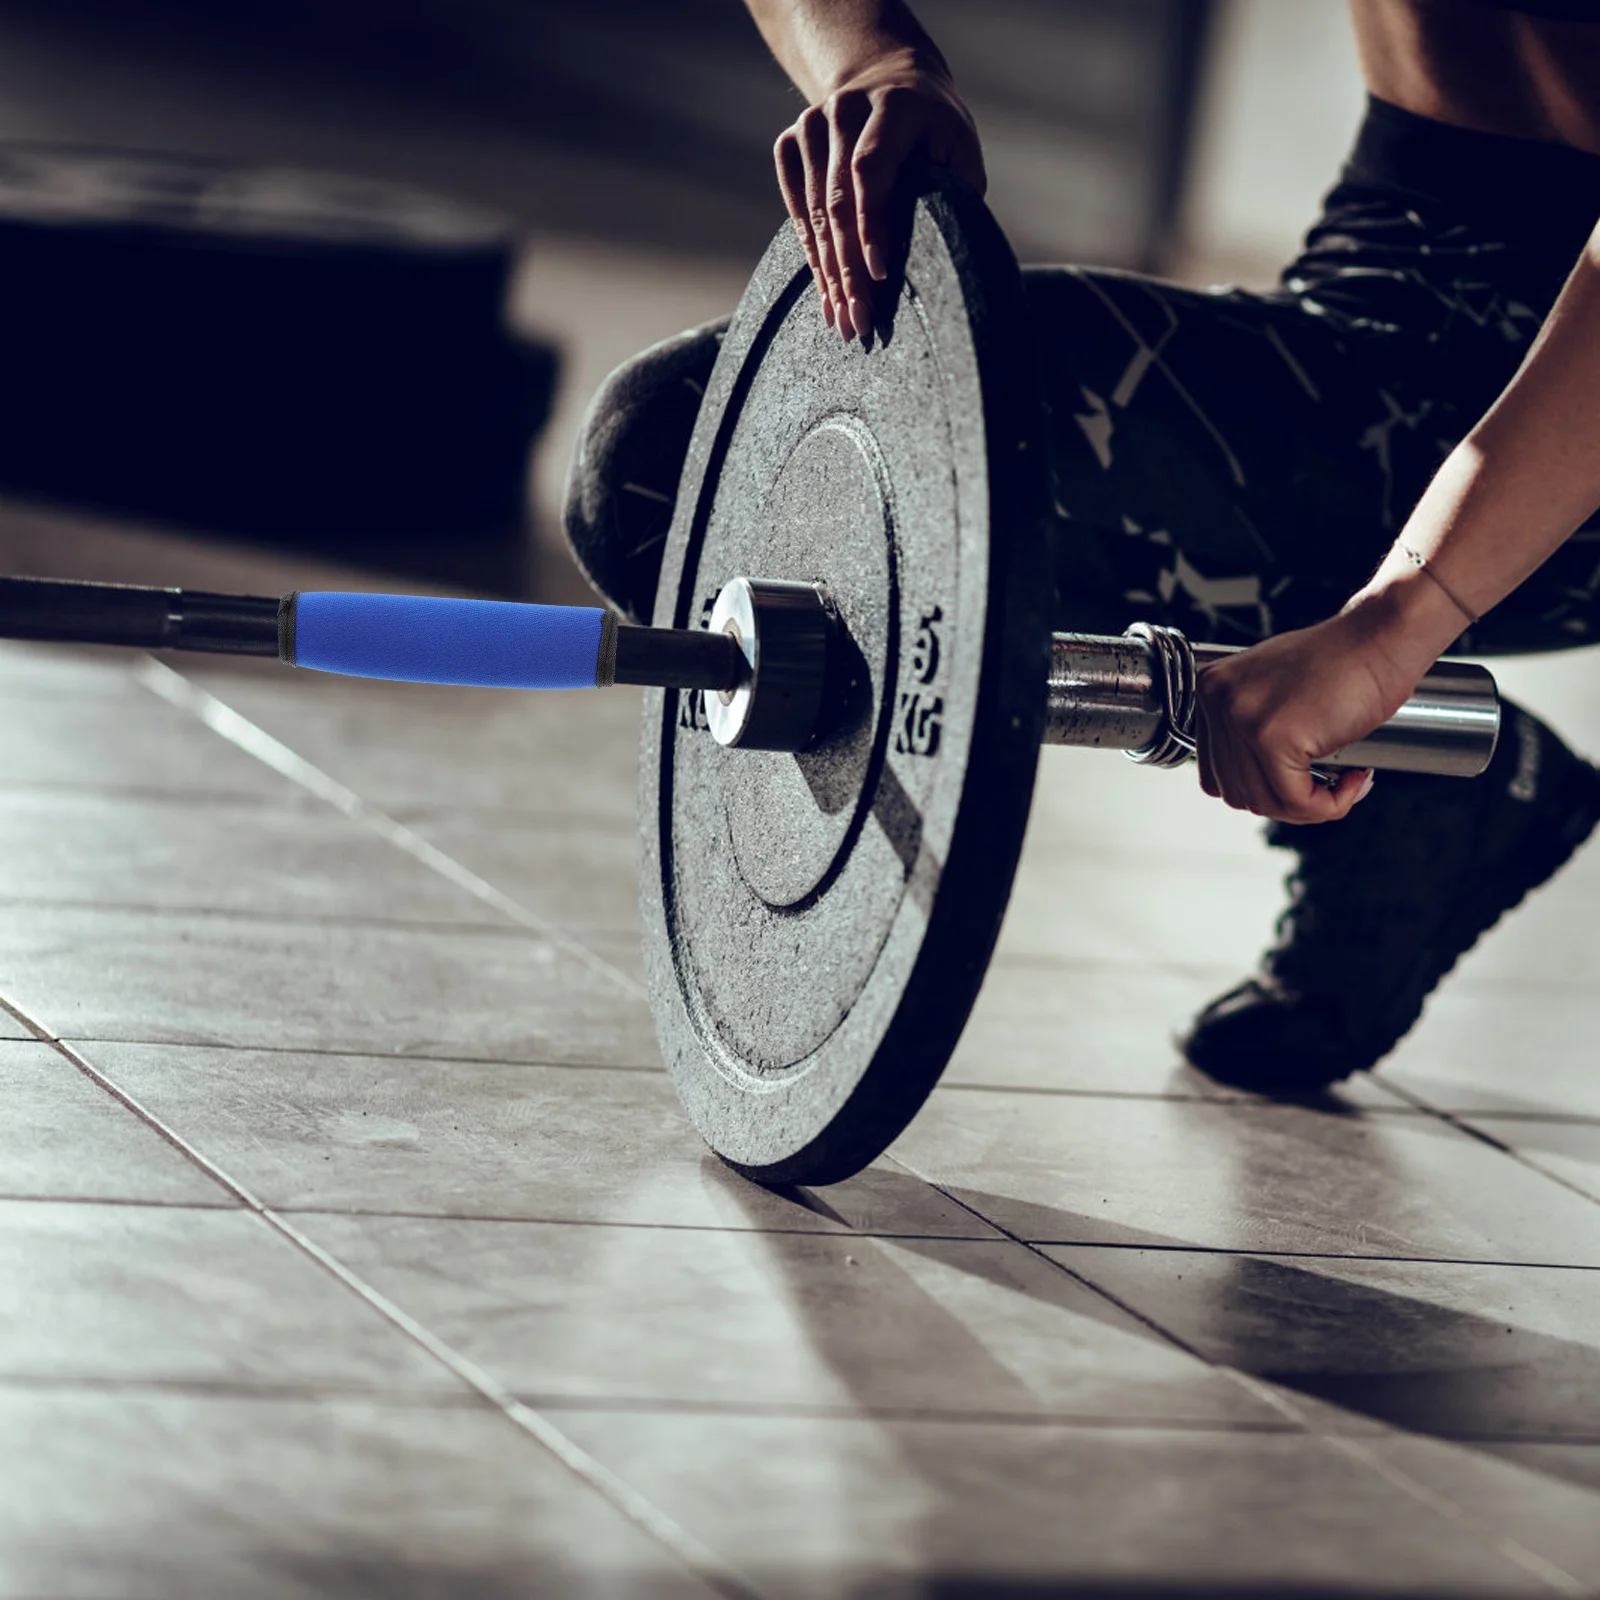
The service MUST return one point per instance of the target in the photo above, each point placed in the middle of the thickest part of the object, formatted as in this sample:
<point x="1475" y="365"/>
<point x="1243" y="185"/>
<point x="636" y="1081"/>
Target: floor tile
<point x="1505" y="1049"/>
<point x="619" y="948"/>
<point x="740" y="1319"/>
<point x="1568" y="1150"/>
<point x="1252" y="1177"/>
<point x="1214" y="913"/>
<point x="1443" y="1349"/>
<point x="1083" y="1027"/>
<point x="272" y="860"/>
<point x="165" y="1294"/>
<point x="369" y="1133"/>
<point x="1097" y="802"/>
<point x="64" y="1137"/>
<point x="1577" y="1464"/>
<point x="568" y="755"/>
<point x="112" y="974"/>
<point x="581" y="879"/>
<point x="110" y="742"/>
<point x="10" y="1028"/>
<point x="822" y="1508"/>
<point x="30" y="671"/>
<point x="123" y="1497"/>
<point x="1545" y="1496"/>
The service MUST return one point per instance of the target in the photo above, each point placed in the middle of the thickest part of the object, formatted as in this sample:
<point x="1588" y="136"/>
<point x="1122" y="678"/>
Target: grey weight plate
<point x="816" y="926"/>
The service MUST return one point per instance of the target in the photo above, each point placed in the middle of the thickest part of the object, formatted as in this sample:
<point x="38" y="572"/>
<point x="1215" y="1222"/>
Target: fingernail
<point x="875" y="263"/>
<point x="859" y="315"/>
<point x="827" y="310"/>
<point x="1366" y="787"/>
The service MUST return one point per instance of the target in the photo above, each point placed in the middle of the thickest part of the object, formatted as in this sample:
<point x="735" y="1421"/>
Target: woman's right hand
<point x="837" y="167"/>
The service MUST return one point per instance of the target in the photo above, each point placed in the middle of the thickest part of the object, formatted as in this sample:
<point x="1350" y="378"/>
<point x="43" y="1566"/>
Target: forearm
<point x="1511" y="493"/>
<point x="824" y="43"/>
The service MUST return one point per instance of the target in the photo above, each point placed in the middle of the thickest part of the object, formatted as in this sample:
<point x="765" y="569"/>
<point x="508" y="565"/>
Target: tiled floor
<point x="352" y="1242"/>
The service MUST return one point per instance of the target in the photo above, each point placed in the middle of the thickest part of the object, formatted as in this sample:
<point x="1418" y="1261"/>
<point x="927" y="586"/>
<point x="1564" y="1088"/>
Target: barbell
<point x="848" y="678"/>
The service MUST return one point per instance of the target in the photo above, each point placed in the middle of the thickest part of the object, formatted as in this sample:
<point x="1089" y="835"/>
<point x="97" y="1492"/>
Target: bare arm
<point x="1506" y="498"/>
<point x="824" y="43"/>
<point x="1512" y="492"/>
<point x="879" y="93"/>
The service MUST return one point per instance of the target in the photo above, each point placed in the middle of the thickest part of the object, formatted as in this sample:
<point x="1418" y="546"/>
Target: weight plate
<point x="816" y="926"/>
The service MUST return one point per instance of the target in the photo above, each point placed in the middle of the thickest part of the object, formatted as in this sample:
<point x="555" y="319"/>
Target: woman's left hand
<point x="1266" y="715"/>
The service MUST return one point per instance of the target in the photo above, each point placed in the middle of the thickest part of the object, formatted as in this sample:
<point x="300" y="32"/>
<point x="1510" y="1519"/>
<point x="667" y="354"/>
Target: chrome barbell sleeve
<point x="1109" y="693"/>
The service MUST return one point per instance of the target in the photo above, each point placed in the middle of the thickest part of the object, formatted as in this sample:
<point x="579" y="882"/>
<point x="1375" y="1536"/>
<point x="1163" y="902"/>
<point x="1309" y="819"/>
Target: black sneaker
<point x="626" y="467"/>
<point x="1382" y="904"/>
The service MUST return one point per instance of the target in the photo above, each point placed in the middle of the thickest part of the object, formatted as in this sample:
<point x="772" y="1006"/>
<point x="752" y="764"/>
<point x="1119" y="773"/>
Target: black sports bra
<point x="1563" y="10"/>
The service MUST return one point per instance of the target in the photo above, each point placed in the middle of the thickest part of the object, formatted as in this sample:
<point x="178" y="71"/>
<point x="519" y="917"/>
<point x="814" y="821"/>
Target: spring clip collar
<point x="1176" y="677"/>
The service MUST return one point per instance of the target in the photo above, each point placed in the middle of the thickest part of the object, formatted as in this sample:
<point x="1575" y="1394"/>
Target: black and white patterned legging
<point x="1236" y="463"/>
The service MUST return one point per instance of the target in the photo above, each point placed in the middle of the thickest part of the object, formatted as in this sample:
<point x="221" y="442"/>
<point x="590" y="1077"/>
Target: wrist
<point x="888" y="59"/>
<point x="1406" y="615"/>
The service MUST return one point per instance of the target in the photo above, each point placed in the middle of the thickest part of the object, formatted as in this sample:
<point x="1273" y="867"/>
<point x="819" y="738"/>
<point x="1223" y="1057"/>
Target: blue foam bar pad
<point x="496" y="644"/>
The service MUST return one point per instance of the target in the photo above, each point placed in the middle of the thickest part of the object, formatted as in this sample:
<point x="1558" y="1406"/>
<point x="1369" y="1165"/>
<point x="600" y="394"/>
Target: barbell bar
<point x="766" y="661"/>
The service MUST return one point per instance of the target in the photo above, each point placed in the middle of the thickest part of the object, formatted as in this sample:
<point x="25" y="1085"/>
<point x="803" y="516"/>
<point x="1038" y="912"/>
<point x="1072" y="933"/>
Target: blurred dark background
<point x="610" y="163"/>
<point x="642" y="120"/>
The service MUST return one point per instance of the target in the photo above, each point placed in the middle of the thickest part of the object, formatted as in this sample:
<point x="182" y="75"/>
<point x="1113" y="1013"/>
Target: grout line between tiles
<point x="1065" y="1092"/>
<point x="237" y="1389"/>
<point x="514" y="820"/>
<point x="1140" y="966"/>
<point x="229" y="1048"/>
<point x="1199" y="1097"/>
<point x="1087" y="1421"/>
<point x="255" y="741"/>
<point x="890" y="1236"/>
<point x="1237" y="1252"/>
<point x="1530" y="1562"/>
<point x="562" y="823"/>
<point x="114" y="691"/>
<point x="316" y="919"/>
<point x="657" y="1406"/>
<point x="1457" y="1121"/>
<point x="283" y="808"/>
<point x="11" y="783"/>
<point x="1531" y="1119"/>
<point x="1104" y="1421"/>
<point x="7" y="1199"/>
<point x="642" y="1512"/>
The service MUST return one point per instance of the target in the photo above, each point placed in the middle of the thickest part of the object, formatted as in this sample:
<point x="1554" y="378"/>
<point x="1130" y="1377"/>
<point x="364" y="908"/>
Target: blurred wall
<point x="651" y="121"/>
<point x="1083" y="106"/>
<point x="1280" y="99"/>
<point x="644" y="121"/>
<point x="630" y="139"/>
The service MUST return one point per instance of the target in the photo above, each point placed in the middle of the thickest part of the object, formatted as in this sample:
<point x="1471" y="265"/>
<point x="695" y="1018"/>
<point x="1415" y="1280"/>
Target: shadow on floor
<point x="1467" y="1377"/>
<point x="983" y="1587"/>
<point x="358" y="1577"/>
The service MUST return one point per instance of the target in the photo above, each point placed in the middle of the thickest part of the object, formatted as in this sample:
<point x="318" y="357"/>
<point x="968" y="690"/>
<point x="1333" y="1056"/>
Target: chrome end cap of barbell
<point x="786" y="631"/>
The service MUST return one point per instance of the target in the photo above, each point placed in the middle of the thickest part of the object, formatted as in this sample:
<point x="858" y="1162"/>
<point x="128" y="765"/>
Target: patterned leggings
<point x="1237" y="463"/>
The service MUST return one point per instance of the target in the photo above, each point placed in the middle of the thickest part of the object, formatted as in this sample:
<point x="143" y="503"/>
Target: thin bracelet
<point x="1421" y="564"/>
